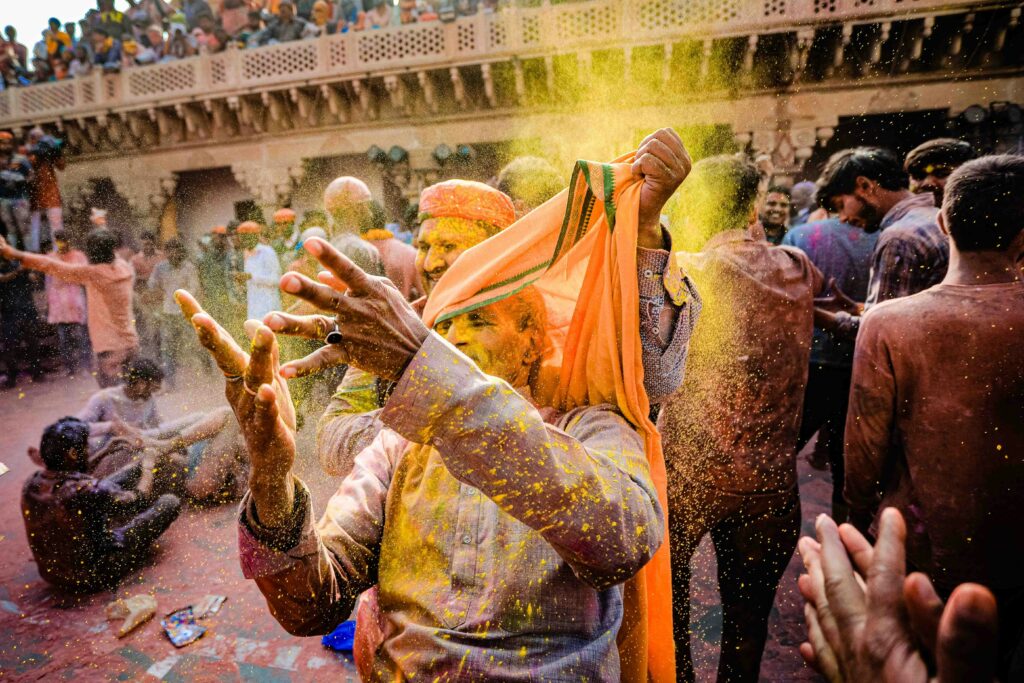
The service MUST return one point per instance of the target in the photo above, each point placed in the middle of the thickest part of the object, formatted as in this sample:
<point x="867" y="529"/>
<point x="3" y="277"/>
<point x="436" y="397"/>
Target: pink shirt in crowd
<point x="65" y="301"/>
<point x="108" y="293"/>
<point x="400" y="266"/>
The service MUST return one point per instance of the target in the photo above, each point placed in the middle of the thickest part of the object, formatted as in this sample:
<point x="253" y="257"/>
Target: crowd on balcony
<point x="154" y="31"/>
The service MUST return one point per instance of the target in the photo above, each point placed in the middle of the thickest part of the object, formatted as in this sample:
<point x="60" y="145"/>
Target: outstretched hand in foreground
<point x="380" y="331"/>
<point x="868" y="621"/>
<point x="262" y="406"/>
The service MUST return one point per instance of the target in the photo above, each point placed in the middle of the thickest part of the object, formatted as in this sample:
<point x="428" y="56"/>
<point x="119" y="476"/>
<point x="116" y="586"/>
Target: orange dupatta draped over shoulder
<point x="579" y="250"/>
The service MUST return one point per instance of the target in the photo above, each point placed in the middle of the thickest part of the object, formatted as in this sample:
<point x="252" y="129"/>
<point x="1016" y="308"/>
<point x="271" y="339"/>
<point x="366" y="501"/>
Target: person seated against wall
<point x="286" y="27"/>
<point x="81" y="61"/>
<point x="252" y="32"/>
<point x="84" y="532"/>
<point x="349" y="16"/>
<point x="106" y="50"/>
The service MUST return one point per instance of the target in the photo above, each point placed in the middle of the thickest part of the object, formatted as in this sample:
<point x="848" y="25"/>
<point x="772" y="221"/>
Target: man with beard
<point x="867" y="187"/>
<point x="930" y="163"/>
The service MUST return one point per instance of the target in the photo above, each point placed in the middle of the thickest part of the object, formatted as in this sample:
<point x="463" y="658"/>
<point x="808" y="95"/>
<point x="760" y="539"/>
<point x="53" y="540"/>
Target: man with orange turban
<point x="455" y="216"/>
<point x="284" y="235"/>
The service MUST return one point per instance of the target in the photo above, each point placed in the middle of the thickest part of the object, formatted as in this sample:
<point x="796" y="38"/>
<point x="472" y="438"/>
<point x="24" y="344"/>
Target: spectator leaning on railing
<point x="154" y="31"/>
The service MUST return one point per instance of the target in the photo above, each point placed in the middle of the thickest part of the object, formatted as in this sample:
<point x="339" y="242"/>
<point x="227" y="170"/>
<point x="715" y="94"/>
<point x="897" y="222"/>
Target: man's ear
<point x="941" y="220"/>
<point x="752" y="214"/>
<point x="532" y="352"/>
<point x="865" y="185"/>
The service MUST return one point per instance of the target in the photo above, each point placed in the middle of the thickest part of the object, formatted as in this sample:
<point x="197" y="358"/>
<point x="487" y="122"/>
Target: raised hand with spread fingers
<point x="875" y="624"/>
<point x="261" y="403"/>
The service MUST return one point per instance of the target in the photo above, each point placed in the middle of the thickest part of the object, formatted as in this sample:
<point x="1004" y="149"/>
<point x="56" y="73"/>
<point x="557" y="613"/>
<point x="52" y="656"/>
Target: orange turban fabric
<point x="219" y="230"/>
<point x="284" y="216"/>
<point x="469" y="200"/>
<point x="249" y="228"/>
<point x="579" y="250"/>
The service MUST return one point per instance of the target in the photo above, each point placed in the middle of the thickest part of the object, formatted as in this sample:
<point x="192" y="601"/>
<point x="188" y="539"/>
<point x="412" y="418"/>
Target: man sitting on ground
<point x="128" y="411"/>
<point x="85" y="532"/>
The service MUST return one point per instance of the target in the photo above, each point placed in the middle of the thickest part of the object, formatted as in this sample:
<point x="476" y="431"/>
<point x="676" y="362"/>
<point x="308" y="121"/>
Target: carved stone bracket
<point x="147" y="194"/>
<point x="270" y="186"/>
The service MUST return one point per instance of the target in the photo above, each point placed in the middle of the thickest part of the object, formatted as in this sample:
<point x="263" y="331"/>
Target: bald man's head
<point x="347" y="202"/>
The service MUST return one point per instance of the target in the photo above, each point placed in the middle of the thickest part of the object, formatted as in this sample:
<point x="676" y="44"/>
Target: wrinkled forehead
<point x="461" y="232"/>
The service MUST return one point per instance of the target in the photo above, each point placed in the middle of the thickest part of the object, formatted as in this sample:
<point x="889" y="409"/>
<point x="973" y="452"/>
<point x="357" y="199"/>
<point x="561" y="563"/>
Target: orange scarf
<point x="579" y="250"/>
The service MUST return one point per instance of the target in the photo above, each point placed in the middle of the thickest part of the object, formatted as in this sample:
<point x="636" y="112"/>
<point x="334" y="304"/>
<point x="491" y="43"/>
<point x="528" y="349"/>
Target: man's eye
<point x="443" y="327"/>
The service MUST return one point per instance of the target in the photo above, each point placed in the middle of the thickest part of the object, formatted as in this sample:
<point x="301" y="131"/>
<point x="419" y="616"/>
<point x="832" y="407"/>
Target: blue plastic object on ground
<point x="341" y="638"/>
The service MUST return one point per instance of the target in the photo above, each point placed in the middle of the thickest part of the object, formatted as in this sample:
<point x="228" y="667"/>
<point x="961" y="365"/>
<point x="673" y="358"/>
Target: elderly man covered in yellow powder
<point x="456" y="215"/>
<point x="499" y="533"/>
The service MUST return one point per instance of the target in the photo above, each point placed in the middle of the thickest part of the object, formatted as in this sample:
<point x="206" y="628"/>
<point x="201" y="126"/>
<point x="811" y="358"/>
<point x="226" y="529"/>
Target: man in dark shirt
<point x="72" y="519"/>
<point x="19" y="323"/>
<point x="15" y="176"/>
<point x="936" y="421"/>
<point x="286" y="27"/>
<point x="868" y="187"/>
<point x="842" y="253"/>
<point x="730" y="431"/>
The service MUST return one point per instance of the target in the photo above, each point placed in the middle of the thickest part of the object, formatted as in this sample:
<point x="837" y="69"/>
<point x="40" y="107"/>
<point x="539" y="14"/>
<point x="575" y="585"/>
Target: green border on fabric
<point x="568" y="212"/>
<point x="517" y="276"/>
<point x="583" y="208"/>
<point x="486" y="302"/>
<point x="609" y="195"/>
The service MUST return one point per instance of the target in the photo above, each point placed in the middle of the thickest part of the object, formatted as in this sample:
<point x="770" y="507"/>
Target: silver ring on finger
<point x="334" y="336"/>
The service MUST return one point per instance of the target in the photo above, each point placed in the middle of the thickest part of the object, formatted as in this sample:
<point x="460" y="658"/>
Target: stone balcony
<point x="778" y="73"/>
<point x="345" y="77"/>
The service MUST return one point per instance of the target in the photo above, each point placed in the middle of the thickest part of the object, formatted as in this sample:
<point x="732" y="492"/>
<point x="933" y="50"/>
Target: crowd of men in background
<point x="850" y="308"/>
<point x="154" y="31"/>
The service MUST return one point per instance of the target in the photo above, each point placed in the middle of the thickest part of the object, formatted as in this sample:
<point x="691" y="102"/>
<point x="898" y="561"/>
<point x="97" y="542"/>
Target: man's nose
<point x="454" y="335"/>
<point x="433" y="262"/>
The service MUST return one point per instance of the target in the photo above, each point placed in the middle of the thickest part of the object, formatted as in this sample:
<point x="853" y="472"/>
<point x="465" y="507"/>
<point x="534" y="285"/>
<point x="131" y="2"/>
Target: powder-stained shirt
<point x="733" y="423"/>
<point x="912" y="252"/>
<point x="66" y="518"/>
<point x="108" y="293"/>
<point x="65" y="301"/>
<point x="352" y="420"/>
<point x="936" y="429"/>
<point x="111" y="404"/>
<point x="498" y="545"/>
<point x="841" y="252"/>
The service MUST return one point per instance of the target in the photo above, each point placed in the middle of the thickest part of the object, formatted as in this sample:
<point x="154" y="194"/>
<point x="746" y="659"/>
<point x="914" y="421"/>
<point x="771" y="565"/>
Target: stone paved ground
<point x="47" y="635"/>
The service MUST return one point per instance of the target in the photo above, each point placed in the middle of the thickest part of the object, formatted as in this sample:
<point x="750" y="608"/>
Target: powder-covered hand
<point x="380" y="330"/>
<point x="663" y="163"/>
<point x="262" y="406"/>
